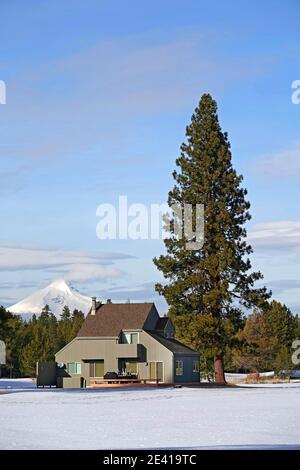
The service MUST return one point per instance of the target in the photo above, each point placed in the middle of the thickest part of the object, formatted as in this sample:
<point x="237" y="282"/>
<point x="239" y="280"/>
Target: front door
<point x="156" y="371"/>
<point x="159" y="371"/>
<point x="96" y="369"/>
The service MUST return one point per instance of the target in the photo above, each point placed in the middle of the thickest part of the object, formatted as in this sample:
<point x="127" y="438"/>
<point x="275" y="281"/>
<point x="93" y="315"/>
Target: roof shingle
<point x="110" y="319"/>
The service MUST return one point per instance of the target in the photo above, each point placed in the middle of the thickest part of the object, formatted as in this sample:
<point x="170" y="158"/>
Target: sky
<point x="98" y="95"/>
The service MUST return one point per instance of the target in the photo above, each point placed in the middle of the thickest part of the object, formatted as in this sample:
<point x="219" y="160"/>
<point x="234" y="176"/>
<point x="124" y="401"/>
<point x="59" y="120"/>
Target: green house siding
<point x="187" y="373"/>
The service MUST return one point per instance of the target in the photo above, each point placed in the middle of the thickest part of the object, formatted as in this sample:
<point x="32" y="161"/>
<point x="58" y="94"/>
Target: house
<point x="125" y="339"/>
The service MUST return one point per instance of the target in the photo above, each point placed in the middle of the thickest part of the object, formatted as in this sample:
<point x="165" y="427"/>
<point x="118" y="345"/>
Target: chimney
<point x="94" y="305"/>
<point x="109" y="301"/>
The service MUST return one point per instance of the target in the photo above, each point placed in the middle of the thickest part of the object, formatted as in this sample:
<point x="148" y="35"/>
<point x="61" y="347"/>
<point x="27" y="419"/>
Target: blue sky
<point x="98" y="97"/>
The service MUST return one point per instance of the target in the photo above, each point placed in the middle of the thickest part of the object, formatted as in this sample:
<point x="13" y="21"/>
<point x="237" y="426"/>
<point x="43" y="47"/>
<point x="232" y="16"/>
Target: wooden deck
<point x="118" y="383"/>
<point x="122" y="382"/>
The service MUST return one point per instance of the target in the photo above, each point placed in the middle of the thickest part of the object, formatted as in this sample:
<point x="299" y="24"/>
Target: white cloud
<point x="282" y="165"/>
<point x="91" y="272"/>
<point x="281" y="236"/>
<point x="73" y="265"/>
<point x="282" y="285"/>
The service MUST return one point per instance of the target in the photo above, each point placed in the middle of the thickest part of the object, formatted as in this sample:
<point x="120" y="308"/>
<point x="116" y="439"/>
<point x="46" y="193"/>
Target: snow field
<point x="189" y="418"/>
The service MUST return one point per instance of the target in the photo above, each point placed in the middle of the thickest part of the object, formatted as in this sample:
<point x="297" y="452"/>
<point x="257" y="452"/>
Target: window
<point x="128" y="366"/>
<point x="130" y="338"/>
<point x="195" y="366"/>
<point x="133" y="338"/>
<point x="74" y="368"/>
<point x="97" y="369"/>
<point x="131" y="367"/>
<point x="179" y="367"/>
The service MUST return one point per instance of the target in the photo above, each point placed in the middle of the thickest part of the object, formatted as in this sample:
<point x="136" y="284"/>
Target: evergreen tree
<point x="65" y="327"/>
<point x="77" y="321"/>
<point x="45" y="312"/>
<point x="12" y="332"/>
<point x="283" y="361"/>
<point x="40" y="343"/>
<point x="215" y="280"/>
<point x="256" y="351"/>
<point x="36" y="340"/>
<point x="66" y="314"/>
<point x="282" y="324"/>
<point x="266" y="339"/>
<point x="30" y="355"/>
<point x="4" y="316"/>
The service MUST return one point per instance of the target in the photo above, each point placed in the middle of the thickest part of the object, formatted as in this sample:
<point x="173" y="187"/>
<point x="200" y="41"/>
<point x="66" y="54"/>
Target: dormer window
<point x="134" y="338"/>
<point x="129" y="338"/>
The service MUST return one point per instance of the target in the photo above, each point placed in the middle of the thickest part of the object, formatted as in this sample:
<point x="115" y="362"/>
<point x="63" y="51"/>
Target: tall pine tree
<point x="215" y="280"/>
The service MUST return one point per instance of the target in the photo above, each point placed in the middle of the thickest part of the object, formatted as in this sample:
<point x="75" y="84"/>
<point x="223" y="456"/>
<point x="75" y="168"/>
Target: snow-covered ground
<point x="165" y="418"/>
<point x="16" y="384"/>
<point x="232" y="377"/>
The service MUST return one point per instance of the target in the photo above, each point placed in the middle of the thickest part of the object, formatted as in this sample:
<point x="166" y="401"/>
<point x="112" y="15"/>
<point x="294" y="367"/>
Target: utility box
<point x="46" y="374"/>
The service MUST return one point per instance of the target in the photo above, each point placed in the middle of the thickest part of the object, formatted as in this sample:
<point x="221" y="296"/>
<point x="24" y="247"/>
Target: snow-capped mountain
<point x="58" y="294"/>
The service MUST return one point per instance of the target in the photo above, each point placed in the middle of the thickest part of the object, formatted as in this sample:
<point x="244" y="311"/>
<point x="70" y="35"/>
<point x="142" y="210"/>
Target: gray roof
<point x="161" y="323"/>
<point x="172" y="344"/>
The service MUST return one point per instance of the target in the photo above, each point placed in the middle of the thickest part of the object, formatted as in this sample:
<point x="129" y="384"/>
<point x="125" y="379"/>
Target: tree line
<point x="36" y="340"/>
<point x="261" y="342"/>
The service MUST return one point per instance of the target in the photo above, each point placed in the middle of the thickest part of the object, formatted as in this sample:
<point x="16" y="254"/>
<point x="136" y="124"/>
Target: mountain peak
<point x="56" y="295"/>
<point x="60" y="284"/>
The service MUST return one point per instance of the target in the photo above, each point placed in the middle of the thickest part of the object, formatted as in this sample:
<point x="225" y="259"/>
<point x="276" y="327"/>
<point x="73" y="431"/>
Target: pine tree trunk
<point x="219" y="370"/>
